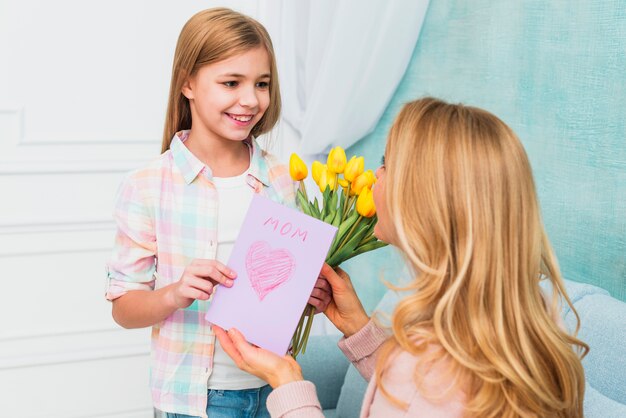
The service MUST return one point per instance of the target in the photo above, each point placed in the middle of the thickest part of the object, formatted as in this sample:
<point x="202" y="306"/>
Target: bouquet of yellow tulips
<point x="348" y="204"/>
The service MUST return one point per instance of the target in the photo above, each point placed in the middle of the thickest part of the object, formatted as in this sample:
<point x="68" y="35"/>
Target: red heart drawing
<point x="268" y="269"/>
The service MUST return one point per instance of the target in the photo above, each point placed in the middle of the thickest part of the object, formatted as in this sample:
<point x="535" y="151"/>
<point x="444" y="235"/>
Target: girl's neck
<point x="226" y="158"/>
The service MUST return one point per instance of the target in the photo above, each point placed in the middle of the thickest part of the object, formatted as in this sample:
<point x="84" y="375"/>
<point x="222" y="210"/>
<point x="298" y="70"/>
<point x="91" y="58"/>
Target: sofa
<point x="340" y="387"/>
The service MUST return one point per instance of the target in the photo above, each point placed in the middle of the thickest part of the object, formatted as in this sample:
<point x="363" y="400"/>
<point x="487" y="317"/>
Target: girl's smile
<point x="241" y="120"/>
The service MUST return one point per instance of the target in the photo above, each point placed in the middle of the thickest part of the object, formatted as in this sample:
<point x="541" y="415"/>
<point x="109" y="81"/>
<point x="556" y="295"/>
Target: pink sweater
<point x="299" y="399"/>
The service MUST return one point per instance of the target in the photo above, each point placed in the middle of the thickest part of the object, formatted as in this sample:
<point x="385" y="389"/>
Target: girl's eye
<point x="230" y="83"/>
<point x="263" y="84"/>
<point x="382" y="161"/>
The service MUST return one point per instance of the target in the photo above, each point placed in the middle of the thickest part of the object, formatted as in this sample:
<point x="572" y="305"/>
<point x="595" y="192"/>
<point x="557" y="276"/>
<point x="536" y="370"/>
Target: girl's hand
<point x="345" y="309"/>
<point x="198" y="282"/>
<point x="262" y="363"/>
<point x="321" y="295"/>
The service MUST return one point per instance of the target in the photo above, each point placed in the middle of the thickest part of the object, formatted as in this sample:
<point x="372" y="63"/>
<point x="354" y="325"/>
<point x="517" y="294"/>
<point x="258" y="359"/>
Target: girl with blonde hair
<point x="178" y="217"/>
<point x="474" y="335"/>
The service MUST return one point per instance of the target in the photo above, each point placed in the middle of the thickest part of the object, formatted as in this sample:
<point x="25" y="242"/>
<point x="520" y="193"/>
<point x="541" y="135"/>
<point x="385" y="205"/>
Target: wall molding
<point x="72" y="347"/>
<point x="22" y="155"/>
<point x="27" y="240"/>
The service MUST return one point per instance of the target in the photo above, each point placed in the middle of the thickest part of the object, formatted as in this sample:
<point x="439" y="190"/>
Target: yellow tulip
<point x="336" y="160"/>
<point x="354" y="168"/>
<point x="297" y="168"/>
<point x="327" y="178"/>
<point x="365" y="203"/>
<point x="371" y="177"/>
<point x="343" y="183"/>
<point x="316" y="170"/>
<point x="359" y="183"/>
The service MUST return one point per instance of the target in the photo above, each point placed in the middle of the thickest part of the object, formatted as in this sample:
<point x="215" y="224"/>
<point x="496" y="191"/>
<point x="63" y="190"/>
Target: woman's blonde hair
<point x="461" y="196"/>
<point x="211" y="36"/>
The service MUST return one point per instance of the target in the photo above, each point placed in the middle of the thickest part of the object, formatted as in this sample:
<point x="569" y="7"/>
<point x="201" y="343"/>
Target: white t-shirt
<point x="234" y="197"/>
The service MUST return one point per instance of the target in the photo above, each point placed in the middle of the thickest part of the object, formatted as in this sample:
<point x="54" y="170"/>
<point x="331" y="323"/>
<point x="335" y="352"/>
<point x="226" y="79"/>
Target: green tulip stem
<point x="303" y="190"/>
<point x="347" y="206"/>
<point x="310" y="312"/>
<point x="349" y="234"/>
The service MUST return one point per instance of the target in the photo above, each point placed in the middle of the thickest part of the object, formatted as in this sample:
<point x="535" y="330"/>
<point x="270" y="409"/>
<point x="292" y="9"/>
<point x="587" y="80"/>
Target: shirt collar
<point x="190" y="166"/>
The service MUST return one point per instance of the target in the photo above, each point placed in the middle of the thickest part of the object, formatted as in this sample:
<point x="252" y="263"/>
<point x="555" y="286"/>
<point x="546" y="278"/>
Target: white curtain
<point x="339" y="62"/>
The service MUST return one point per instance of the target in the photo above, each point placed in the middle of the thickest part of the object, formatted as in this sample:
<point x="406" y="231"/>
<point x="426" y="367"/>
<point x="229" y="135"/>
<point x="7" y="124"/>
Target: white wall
<point x="83" y="89"/>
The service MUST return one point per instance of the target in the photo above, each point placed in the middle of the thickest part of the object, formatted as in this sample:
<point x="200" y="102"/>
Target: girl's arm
<point x="144" y="308"/>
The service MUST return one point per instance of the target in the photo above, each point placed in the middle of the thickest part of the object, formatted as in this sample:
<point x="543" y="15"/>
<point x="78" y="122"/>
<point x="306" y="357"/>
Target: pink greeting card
<point x="277" y="256"/>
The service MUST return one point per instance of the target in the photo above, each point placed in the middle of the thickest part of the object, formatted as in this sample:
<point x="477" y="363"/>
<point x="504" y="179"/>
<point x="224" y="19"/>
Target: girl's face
<point x="383" y="228"/>
<point x="227" y="98"/>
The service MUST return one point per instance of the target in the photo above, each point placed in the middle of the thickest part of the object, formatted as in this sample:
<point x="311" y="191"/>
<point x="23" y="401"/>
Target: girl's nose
<point x="248" y="98"/>
<point x="378" y="171"/>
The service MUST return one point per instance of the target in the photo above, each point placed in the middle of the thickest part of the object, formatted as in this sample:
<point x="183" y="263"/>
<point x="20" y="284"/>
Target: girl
<point x="177" y="219"/>
<point x="474" y="336"/>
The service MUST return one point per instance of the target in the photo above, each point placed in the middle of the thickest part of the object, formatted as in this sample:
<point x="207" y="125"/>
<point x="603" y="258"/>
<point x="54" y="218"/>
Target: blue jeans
<point x="244" y="403"/>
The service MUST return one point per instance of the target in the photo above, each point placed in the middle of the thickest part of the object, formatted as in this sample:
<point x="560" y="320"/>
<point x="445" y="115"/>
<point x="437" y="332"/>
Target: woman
<point x="475" y="335"/>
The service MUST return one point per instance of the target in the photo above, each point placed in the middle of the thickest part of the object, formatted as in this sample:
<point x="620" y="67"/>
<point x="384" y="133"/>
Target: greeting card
<point x="277" y="256"/>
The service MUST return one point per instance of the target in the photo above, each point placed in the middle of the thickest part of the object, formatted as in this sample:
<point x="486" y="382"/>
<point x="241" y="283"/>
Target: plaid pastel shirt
<point x="166" y="216"/>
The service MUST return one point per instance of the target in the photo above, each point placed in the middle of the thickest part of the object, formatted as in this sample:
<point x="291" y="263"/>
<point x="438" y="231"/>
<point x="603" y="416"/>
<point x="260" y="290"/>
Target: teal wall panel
<point x="556" y="73"/>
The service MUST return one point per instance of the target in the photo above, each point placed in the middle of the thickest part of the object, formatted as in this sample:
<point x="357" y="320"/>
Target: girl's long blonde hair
<point x="211" y="36"/>
<point x="461" y="196"/>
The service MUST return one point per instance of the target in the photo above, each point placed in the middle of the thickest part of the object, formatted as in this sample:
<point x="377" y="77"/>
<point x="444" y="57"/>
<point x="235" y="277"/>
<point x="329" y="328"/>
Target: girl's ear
<point x="187" y="89"/>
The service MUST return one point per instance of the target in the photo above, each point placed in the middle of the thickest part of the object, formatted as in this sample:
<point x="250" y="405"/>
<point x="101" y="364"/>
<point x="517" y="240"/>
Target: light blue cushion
<point x="603" y="328"/>
<point x="576" y="291"/>
<point x="330" y="413"/>
<point x="352" y="392"/>
<point x="596" y="405"/>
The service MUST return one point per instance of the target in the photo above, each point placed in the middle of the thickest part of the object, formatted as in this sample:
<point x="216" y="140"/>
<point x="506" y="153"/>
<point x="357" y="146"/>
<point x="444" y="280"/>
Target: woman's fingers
<point x="335" y="281"/>
<point x="323" y="284"/>
<point x="240" y="343"/>
<point x="229" y="346"/>
<point x="320" y="298"/>
<point x="341" y="273"/>
<point x="321" y="295"/>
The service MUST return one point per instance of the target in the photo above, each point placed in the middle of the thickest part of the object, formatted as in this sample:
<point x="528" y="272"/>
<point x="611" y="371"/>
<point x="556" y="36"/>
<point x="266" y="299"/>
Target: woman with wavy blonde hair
<point x="474" y="335"/>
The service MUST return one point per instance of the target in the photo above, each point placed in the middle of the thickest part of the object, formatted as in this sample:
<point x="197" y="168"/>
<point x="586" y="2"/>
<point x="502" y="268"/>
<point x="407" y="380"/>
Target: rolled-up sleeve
<point x="132" y="263"/>
<point x="362" y="348"/>
<point x="295" y="400"/>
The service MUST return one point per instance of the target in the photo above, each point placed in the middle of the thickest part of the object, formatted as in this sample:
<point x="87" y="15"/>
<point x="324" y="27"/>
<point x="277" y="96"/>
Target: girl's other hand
<point x="345" y="309"/>
<point x="198" y="282"/>
<point x="321" y="295"/>
<point x="264" y="364"/>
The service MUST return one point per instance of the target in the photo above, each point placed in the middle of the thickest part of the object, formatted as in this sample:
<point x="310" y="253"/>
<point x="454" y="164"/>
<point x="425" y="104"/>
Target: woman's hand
<point x="345" y="309"/>
<point x="198" y="282"/>
<point x="321" y="295"/>
<point x="262" y="363"/>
